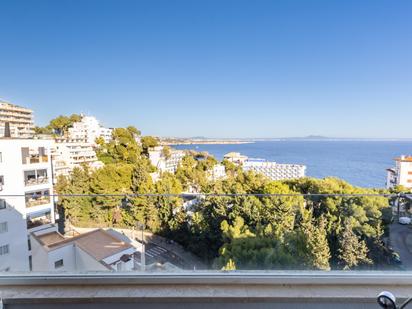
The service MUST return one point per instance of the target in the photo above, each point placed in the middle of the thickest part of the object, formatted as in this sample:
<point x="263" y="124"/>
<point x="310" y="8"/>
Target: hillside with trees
<point x="230" y="232"/>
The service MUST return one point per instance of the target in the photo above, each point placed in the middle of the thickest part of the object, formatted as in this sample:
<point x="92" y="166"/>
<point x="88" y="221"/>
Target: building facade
<point x="165" y="163"/>
<point x="275" y="171"/>
<point x="401" y="174"/>
<point x="19" y="118"/>
<point x="88" y="129"/>
<point x="26" y="204"/>
<point x="70" y="153"/>
<point x="235" y="157"/>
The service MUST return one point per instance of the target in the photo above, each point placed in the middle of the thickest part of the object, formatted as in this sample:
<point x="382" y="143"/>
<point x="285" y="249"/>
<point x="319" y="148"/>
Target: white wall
<point x="87" y="263"/>
<point x="12" y="169"/>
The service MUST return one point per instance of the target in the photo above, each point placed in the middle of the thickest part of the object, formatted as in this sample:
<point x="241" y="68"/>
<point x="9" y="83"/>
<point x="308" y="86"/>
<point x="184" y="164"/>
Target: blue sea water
<point x="361" y="163"/>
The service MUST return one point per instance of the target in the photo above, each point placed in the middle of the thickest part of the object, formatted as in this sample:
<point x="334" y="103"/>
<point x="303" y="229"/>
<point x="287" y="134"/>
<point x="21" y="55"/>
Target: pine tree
<point x="352" y="250"/>
<point x="317" y="247"/>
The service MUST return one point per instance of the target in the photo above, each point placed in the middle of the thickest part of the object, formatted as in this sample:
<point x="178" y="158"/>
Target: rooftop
<point x="404" y="159"/>
<point x="98" y="243"/>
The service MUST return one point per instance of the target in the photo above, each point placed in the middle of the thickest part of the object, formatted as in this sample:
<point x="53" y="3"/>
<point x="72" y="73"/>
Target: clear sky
<point x="214" y="68"/>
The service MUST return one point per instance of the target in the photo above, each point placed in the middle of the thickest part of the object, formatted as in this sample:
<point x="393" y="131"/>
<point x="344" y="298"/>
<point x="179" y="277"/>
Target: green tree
<point x="352" y="250"/>
<point x="149" y="142"/>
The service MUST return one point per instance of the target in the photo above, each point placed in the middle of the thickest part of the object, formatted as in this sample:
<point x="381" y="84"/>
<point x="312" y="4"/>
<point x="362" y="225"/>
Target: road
<point x="401" y="242"/>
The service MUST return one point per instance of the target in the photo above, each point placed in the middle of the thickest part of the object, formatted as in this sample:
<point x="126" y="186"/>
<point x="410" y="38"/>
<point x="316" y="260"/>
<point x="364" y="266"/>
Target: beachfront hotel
<point x="272" y="170"/>
<point x="401" y="173"/>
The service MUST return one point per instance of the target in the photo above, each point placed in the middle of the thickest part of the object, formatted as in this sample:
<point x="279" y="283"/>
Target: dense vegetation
<point x="230" y="232"/>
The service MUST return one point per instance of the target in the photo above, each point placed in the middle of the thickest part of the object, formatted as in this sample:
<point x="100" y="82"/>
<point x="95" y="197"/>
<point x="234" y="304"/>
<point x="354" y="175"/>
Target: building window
<point x="4" y="249"/>
<point x="2" y="204"/>
<point x="3" y="227"/>
<point x="58" y="264"/>
<point x="1" y="157"/>
<point x="1" y="182"/>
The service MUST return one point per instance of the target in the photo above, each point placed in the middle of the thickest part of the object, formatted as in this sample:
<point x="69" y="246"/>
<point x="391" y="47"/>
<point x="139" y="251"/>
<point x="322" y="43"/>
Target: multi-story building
<point x="25" y="202"/>
<point x="217" y="172"/>
<point x="88" y="129"/>
<point x="235" y="157"/>
<point x="401" y="174"/>
<point x="19" y="118"/>
<point x="165" y="162"/>
<point x="273" y="170"/>
<point x="70" y="153"/>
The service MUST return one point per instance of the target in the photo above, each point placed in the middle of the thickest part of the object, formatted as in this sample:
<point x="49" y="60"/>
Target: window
<point x="1" y="157"/>
<point x="58" y="264"/>
<point x="3" y="227"/>
<point x="4" y="249"/>
<point x="1" y="182"/>
<point x="2" y="204"/>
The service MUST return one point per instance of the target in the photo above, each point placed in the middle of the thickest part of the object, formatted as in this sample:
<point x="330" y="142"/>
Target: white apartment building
<point x="88" y="129"/>
<point x="70" y="153"/>
<point x="401" y="174"/>
<point x="163" y="163"/>
<point x="19" y="118"/>
<point x="235" y="157"/>
<point x="25" y="202"/>
<point x="275" y="171"/>
<point x="217" y="172"/>
<point x="97" y="250"/>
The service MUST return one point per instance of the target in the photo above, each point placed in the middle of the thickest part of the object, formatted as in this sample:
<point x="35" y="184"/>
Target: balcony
<point x="35" y="177"/>
<point x="202" y="290"/>
<point x="38" y="219"/>
<point x="34" y="155"/>
<point x="247" y="267"/>
<point x="37" y="198"/>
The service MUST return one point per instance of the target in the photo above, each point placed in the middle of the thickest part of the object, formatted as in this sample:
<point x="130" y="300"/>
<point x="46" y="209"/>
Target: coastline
<point x="207" y="143"/>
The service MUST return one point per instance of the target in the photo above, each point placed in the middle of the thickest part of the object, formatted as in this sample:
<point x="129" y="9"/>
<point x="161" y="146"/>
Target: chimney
<point x="7" y="133"/>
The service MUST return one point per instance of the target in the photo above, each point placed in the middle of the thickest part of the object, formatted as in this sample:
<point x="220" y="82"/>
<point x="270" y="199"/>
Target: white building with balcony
<point x="25" y="203"/>
<point x="88" y="129"/>
<point x="165" y="163"/>
<point x="273" y="170"/>
<point x="401" y="174"/>
<point x="70" y="153"/>
<point x="19" y="118"/>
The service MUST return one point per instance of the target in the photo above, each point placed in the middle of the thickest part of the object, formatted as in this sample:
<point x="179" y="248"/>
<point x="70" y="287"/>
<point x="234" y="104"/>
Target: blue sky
<point x="214" y="68"/>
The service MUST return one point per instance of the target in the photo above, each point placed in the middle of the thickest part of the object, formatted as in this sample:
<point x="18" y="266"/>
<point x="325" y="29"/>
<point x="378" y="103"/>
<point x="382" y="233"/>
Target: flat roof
<point x="50" y="238"/>
<point x="404" y="159"/>
<point x="98" y="243"/>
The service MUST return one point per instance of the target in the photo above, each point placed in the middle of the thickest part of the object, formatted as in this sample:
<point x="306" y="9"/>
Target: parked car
<point x="404" y="220"/>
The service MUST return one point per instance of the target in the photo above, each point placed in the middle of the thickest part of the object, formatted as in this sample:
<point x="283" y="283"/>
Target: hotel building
<point x="19" y="118"/>
<point x="163" y="163"/>
<point x="272" y="170"/>
<point x="70" y="153"/>
<point x="401" y="174"/>
<point x="88" y="129"/>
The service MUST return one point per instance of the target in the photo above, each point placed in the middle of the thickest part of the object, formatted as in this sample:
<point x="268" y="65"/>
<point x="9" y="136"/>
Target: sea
<point x="361" y="163"/>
